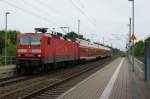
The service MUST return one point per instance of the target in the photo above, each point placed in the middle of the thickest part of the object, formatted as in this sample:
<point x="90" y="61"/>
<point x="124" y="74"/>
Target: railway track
<point x="13" y="80"/>
<point x="37" y="87"/>
<point x="53" y="91"/>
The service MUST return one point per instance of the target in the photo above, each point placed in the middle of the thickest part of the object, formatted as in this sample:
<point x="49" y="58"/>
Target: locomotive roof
<point x="83" y="43"/>
<point x="48" y="34"/>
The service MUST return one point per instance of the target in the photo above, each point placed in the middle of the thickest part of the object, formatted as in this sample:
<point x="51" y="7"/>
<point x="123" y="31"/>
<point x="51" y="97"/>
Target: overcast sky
<point x="100" y="19"/>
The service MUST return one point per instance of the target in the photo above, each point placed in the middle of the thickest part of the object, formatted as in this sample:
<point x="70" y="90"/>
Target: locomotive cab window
<point x="48" y="40"/>
<point x="30" y="40"/>
<point x="24" y="40"/>
<point x="36" y="40"/>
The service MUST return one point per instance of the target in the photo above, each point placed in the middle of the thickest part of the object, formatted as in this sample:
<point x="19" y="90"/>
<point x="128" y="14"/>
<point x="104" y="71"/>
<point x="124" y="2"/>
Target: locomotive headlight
<point x="39" y="55"/>
<point x="36" y="50"/>
<point x="22" y="50"/>
<point x="18" y="55"/>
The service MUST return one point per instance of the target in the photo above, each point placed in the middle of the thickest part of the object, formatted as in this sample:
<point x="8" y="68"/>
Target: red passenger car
<point x="89" y="50"/>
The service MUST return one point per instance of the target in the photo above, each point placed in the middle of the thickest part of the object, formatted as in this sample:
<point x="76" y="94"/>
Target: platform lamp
<point x="6" y="36"/>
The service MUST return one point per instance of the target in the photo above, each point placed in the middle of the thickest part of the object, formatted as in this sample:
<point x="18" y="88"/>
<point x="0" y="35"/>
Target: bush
<point x="123" y="55"/>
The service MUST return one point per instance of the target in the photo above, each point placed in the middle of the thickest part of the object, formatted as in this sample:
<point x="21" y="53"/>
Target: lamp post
<point x="6" y="37"/>
<point x="132" y="33"/>
<point x="78" y="26"/>
<point x="103" y="40"/>
<point x="129" y="43"/>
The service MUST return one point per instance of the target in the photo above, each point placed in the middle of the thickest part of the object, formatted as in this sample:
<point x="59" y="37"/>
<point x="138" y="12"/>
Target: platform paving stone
<point x="127" y="85"/>
<point x="93" y="87"/>
<point x="122" y="88"/>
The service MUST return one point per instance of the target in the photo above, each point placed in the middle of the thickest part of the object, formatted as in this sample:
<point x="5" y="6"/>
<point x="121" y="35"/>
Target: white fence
<point x="9" y="60"/>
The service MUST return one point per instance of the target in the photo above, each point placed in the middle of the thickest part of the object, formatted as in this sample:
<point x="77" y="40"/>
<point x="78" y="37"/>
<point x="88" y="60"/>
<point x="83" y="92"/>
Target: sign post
<point x="133" y="37"/>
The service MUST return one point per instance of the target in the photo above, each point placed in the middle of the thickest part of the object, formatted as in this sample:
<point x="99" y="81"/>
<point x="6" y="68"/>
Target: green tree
<point x="2" y="43"/>
<point x="11" y="40"/>
<point x="73" y="36"/>
<point x="12" y="34"/>
<point x="139" y="49"/>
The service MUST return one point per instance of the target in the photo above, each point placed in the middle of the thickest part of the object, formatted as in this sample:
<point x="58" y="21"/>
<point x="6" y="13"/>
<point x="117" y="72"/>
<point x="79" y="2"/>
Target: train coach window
<point x="48" y="40"/>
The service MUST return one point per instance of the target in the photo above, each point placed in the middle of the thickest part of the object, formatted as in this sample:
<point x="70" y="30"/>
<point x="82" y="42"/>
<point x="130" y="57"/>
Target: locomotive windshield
<point x="35" y="40"/>
<point x="30" y="40"/>
<point x="25" y="40"/>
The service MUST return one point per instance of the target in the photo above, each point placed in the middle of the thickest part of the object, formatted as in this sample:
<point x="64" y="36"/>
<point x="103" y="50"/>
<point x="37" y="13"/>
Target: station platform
<point x="7" y="71"/>
<point x="114" y="81"/>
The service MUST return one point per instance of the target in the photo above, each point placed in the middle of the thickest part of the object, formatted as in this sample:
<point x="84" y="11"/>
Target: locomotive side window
<point x="49" y="41"/>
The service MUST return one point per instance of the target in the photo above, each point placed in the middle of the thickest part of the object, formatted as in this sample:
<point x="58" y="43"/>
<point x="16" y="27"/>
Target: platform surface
<point x="7" y="71"/>
<point x="111" y="82"/>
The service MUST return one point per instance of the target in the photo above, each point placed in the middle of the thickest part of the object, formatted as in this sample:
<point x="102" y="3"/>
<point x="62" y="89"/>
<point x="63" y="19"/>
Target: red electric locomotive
<point x="41" y="51"/>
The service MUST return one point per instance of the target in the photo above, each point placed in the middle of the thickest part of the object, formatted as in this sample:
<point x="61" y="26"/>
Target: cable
<point x="58" y="12"/>
<point x="81" y="4"/>
<point x="37" y="15"/>
<point x="83" y="7"/>
<point x="28" y="12"/>
<point x="82" y="12"/>
<point x="45" y="5"/>
<point x="31" y="5"/>
<point x="37" y="9"/>
<point x="48" y="7"/>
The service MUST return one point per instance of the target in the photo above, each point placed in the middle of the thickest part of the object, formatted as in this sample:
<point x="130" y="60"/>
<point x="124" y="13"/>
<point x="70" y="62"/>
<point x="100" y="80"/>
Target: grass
<point x="140" y="58"/>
